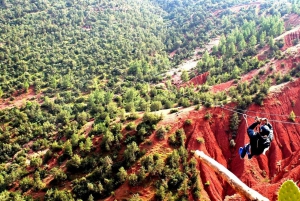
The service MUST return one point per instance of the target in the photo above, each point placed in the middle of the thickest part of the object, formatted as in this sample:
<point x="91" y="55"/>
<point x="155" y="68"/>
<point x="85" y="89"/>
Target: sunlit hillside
<point x="109" y="99"/>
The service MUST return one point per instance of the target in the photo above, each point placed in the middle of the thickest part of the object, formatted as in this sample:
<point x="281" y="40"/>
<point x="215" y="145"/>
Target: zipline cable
<point x="271" y="120"/>
<point x="252" y="111"/>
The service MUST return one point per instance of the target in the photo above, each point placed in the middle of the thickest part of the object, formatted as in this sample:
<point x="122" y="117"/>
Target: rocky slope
<point x="264" y="173"/>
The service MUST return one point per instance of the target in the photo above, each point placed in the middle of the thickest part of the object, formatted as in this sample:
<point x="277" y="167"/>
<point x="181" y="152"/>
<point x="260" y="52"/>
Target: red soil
<point x="293" y="20"/>
<point x="288" y="39"/>
<point x="237" y="8"/>
<point x="198" y="80"/>
<point x="19" y="99"/>
<point x="277" y="68"/>
<point x="264" y="173"/>
<point x="261" y="173"/>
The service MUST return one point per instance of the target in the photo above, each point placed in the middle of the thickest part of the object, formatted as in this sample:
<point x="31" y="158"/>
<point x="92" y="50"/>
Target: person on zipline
<point x="259" y="141"/>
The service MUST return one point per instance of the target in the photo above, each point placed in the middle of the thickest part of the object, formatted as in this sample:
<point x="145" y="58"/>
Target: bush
<point x="26" y="183"/>
<point x="174" y="110"/>
<point x="184" y="102"/>
<point x="188" y="122"/>
<point x="133" y="116"/>
<point x="261" y="72"/>
<point x="151" y="118"/>
<point x="131" y="126"/>
<point x="156" y="106"/>
<point x="208" y="115"/>
<point x="133" y="179"/>
<point x="160" y="133"/>
<point x="200" y="140"/>
<point x="292" y="116"/>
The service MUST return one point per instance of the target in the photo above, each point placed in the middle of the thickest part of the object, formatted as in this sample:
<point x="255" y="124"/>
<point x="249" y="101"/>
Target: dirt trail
<point x="190" y="64"/>
<point x="19" y="100"/>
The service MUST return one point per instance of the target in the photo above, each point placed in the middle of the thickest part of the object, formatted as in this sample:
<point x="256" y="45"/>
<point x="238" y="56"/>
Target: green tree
<point x="156" y="106"/>
<point x="234" y="122"/>
<point x="133" y="179"/>
<point x="122" y="175"/>
<point x="107" y="140"/>
<point x="242" y="44"/>
<point x="184" y="76"/>
<point x="58" y="174"/>
<point x="36" y="162"/>
<point x="38" y="183"/>
<point x="141" y="175"/>
<point x="74" y="139"/>
<point x="74" y="163"/>
<point x="252" y="40"/>
<point x="26" y="183"/>
<point x="131" y="153"/>
<point x="88" y="144"/>
<point x="231" y="49"/>
<point x="160" y="194"/>
<point x="56" y="194"/>
<point x="135" y="197"/>
<point x="68" y="151"/>
<point x="26" y="87"/>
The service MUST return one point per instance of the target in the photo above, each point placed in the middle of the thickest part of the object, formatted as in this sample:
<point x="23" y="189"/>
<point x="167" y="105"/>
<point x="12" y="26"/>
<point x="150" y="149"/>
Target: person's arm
<point x="250" y="130"/>
<point x="252" y="126"/>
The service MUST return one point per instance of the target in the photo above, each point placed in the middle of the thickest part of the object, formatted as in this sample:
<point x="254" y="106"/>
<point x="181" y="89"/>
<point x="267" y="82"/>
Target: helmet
<point x="264" y="130"/>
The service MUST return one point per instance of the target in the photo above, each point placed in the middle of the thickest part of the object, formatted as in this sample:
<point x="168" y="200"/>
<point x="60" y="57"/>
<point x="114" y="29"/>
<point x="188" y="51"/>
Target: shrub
<point x="261" y="72"/>
<point x="188" y="122"/>
<point x="208" y="115"/>
<point x="174" y="110"/>
<point x="133" y="116"/>
<point x="150" y="118"/>
<point x="133" y="179"/>
<point x="131" y="126"/>
<point x="292" y="116"/>
<point x="160" y="133"/>
<point x="26" y="183"/>
<point x="184" y="102"/>
<point x="156" y="106"/>
<point x="200" y="140"/>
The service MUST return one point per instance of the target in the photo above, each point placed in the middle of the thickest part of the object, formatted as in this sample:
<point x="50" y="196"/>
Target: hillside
<point x="108" y="100"/>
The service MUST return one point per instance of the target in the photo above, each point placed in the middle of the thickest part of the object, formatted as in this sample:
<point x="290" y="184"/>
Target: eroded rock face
<point x="200" y="79"/>
<point x="264" y="173"/>
<point x="291" y="39"/>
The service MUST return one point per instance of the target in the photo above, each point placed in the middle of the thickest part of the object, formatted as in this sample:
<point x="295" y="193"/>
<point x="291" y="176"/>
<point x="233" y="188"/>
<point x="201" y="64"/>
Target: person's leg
<point x="243" y="150"/>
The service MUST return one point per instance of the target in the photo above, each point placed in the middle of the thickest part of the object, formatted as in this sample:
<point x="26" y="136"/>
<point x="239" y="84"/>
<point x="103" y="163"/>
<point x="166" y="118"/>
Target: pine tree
<point x="122" y="175"/>
<point x="68" y="151"/>
<point x="88" y="144"/>
<point x="252" y="40"/>
<point x="185" y="76"/>
<point x="234" y="122"/>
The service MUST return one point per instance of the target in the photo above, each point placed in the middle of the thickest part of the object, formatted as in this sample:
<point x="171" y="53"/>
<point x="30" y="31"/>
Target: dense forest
<point x="104" y="62"/>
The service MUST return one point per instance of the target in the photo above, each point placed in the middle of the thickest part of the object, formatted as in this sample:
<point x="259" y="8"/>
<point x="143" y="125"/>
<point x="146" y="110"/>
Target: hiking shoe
<point x="242" y="152"/>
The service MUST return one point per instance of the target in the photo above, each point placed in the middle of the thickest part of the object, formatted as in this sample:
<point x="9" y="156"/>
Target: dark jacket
<point x="259" y="141"/>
